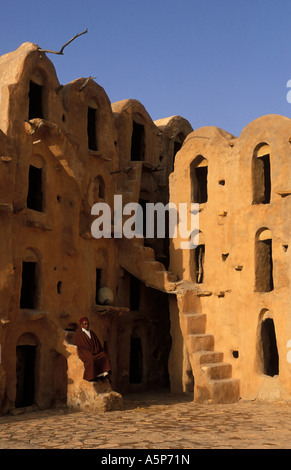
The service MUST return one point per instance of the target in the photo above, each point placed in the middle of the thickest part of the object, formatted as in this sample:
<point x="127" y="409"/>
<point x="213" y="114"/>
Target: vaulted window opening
<point x="35" y="101"/>
<point x="35" y="192"/>
<point x="261" y="175"/>
<point x="29" y="285"/>
<point x="137" y="142"/>
<point x="199" y="175"/>
<point x="263" y="261"/>
<point x="91" y="128"/>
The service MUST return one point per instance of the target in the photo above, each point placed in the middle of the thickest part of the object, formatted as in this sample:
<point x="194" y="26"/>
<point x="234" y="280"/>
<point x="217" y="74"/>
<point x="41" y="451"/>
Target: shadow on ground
<point x="154" y="398"/>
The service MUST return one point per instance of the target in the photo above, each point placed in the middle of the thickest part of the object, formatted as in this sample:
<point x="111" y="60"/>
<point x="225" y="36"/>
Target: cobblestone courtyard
<point x="153" y="421"/>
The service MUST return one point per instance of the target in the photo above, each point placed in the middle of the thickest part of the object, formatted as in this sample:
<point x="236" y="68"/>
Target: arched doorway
<point x="268" y="351"/>
<point x="26" y="366"/>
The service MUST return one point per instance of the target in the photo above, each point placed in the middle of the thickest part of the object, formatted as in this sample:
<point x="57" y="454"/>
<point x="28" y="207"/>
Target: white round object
<point x="105" y="296"/>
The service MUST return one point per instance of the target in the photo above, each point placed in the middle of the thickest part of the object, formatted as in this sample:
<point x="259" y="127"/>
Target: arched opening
<point x="92" y="126"/>
<point x="268" y="351"/>
<point x="35" y="189"/>
<point x="26" y="364"/>
<point x="28" y="286"/>
<point x="37" y="95"/>
<point x="197" y="261"/>
<point x="59" y="287"/>
<point x="269" y="345"/>
<point x="261" y="175"/>
<point x="137" y="142"/>
<point x="29" y="295"/>
<point x="263" y="261"/>
<point x="198" y="175"/>
<point x="35" y="101"/>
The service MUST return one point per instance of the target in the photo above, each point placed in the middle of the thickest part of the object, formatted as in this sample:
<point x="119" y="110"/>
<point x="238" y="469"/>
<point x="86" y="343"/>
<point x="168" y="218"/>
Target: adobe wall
<point x="49" y="136"/>
<point x="230" y="222"/>
<point x="87" y="150"/>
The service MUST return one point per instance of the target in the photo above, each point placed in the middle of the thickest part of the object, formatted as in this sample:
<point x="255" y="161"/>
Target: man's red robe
<point x="91" y="354"/>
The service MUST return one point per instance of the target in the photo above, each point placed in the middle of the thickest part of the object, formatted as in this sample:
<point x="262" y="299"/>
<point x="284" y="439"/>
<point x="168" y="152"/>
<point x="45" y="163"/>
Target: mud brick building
<point x="213" y="321"/>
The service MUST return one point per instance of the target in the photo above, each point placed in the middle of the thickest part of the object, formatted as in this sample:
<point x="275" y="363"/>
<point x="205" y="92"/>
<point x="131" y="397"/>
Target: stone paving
<point x="153" y="421"/>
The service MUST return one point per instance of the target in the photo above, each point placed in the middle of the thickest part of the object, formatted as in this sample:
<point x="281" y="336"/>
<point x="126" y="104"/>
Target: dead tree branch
<point x="86" y="82"/>
<point x="60" y="52"/>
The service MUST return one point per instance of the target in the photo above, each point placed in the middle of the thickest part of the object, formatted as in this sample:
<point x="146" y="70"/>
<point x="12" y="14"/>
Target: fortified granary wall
<point x="63" y="149"/>
<point x="197" y="321"/>
<point x="242" y="261"/>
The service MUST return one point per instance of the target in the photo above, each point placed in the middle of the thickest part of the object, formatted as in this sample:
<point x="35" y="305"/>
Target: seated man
<point x="90" y="352"/>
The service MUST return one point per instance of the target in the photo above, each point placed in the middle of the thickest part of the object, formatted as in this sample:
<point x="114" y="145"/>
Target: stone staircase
<point x="139" y="260"/>
<point x="212" y="376"/>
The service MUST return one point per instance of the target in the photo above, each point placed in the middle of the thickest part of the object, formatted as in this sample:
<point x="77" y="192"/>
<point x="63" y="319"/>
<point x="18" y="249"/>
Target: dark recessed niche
<point x="221" y="182"/>
<point x="235" y="354"/>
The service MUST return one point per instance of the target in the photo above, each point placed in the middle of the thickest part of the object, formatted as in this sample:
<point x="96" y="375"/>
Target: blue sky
<point x="214" y="62"/>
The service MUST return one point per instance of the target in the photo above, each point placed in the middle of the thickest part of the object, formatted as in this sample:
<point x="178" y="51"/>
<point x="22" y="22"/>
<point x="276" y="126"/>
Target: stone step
<point x="147" y="253"/>
<point x="172" y="277"/>
<point x="200" y="342"/>
<point x="225" y="391"/>
<point x="207" y="357"/>
<point x="195" y="322"/>
<point x="217" y="371"/>
<point x="155" y="265"/>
